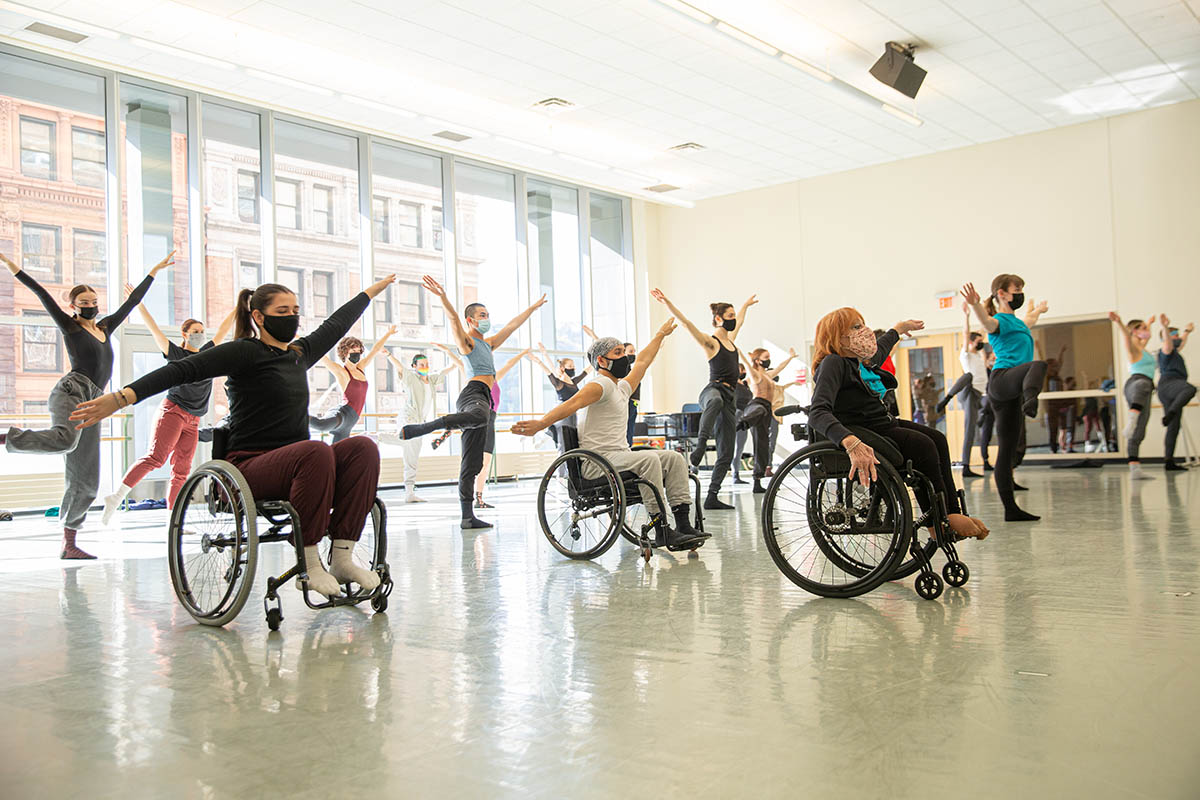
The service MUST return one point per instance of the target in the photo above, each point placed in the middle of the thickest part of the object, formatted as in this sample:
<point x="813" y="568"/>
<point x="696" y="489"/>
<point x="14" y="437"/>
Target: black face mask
<point x="765" y="363"/>
<point x="619" y="367"/>
<point x="1018" y="300"/>
<point x="570" y="373"/>
<point x="282" y="328"/>
<point x="88" y="312"/>
<point x="354" y="357"/>
<point x="729" y="324"/>
<point x="978" y="346"/>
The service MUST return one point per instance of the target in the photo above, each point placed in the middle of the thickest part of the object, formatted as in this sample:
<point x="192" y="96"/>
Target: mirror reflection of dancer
<point x="473" y="410"/>
<point x="1016" y="378"/>
<point x="177" y="427"/>
<point x="718" y="403"/>
<point x="489" y="446"/>
<point x="1174" y="391"/>
<point x="768" y="396"/>
<point x="420" y="390"/>
<point x="351" y="377"/>
<point x="89" y="349"/>
<point x="970" y="388"/>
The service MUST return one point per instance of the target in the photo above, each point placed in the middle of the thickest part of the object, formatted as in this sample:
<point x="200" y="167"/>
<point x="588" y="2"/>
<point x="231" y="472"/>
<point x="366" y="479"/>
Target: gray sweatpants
<point x="665" y="469"/>
<point x="1138" y="391"/>
<point x="80" y="448"/>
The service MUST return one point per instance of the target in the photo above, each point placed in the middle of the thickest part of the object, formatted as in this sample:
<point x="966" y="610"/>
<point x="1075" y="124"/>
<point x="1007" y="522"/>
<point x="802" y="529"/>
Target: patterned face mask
<point x="861" y="343"/>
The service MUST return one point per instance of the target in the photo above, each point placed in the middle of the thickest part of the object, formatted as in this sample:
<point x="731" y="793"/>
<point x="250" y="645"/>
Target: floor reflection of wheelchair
<point x="583" y="517"/>
<point x="834" y="537"/>
<point x="213" y="540"/>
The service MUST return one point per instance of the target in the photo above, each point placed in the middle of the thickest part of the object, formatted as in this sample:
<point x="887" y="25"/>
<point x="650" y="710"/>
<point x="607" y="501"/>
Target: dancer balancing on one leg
<point x="474" y="406"/>
<point x="178" y="423"/>
<point x="89" y="348"/>
<point x="757" y="416"/>
<point x="331" y="487"/>
<point x="604" y="402"/>
<point x="351" y="376"/>
<point x="1016" y="378"/>
<point x="420" y="389"/>
<point x="565" y="379"/>
<point x="718" y="404"/>
<point x="1174" y="391"/>
<point x="489" y="445"/>
<point x="1138" y="389"/>
<point x="971" y="387"/>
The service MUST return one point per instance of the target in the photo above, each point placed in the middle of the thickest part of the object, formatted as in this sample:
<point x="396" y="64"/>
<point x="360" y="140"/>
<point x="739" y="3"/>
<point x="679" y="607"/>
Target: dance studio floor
<point x="1068" y="667"/>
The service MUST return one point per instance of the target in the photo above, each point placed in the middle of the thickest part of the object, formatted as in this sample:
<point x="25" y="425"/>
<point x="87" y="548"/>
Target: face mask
<point x="483" y="325"/>
<point x="862" y="343"/>
<point x="729" y="324"/>
<point x="978" y="346"/>
<point x="194" y="340"/>
<point x="765" y="363"/>
<point x="1018" y="300"/>
<point x="282" y="328"/>
<point x="570" y="373"/>
<point x="88" y="312"/>
<point x="1176" y="341"/>
<point x="423" y="371"/>
<point x="1143" y="335"/>
<point x="741" y="376"/>
<point x="619" y="367"/>
<point x="355" y="357"/>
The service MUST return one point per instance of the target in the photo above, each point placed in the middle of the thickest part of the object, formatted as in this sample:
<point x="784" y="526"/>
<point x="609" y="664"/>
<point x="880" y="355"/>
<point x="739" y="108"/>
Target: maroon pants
<point x="331" y="487"/>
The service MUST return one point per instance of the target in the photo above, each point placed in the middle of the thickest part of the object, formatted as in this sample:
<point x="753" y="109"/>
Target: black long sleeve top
<point x="841" y="397"/>
<point x="267" y="387"/>
<point x="88" y="355"/>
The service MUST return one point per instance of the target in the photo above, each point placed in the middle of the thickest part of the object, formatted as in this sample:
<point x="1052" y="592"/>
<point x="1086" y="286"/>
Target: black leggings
<point x="929" y="453"/>
<point x="718" y="418"/>
<point x="1174" y="393"/>
<point x="339" y="423"/>
<point x="756" y="418"/>
<point x="473" y="416"/>
<point x="1011" y="392"/>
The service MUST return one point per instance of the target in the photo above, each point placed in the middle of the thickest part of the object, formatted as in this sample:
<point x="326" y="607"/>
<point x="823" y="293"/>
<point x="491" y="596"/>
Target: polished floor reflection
<point x="1066" y="668"/>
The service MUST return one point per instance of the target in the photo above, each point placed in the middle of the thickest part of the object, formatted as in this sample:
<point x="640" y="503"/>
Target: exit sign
<point x="945" y="299"/>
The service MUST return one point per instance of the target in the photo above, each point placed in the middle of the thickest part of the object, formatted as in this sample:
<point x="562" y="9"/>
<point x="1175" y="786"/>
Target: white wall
<point x="1096" y="216"/>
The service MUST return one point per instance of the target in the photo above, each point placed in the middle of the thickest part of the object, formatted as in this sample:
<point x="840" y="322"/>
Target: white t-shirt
<point x="605" y="421"/>
<point x="972" y="361"/>
<point x="418" y="400"/>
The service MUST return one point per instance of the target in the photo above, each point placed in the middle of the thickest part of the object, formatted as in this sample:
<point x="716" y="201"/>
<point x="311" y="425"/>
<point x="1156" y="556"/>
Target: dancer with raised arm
<point x="760" y="411"/>
<point x="89" y="349"/>
<point x="1174" y="391"/>
<point x="970" y="387"/>
<point x="564" y="379"/>
<point x="489" y="446"/>
<point x="420" y="389"/>
<point x="176" y="429"/>
<point x="351" y="375"/>
<point x="718" y="403"/>
<point x="473" y="412"/>
<point x="1138" y="389"/>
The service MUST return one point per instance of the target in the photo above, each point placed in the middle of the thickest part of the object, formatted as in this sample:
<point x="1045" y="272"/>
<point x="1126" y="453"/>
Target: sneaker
<point x="1136" y="473"/>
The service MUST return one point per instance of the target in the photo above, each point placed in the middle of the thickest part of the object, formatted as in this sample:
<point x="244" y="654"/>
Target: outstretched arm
<point x="591" y="334"/>
<point x="1168" y="344"/>
<point x="589" y="394"/>
<point x="455" y="361"/>
<point x="704" y="340"/>
<point x="226" y="326"/>
<point x="502" y="336"/>
<point x="648" y="353"/>
<point x="160" y="338"/>
<point x="543" y="361"/>
<point x="114" y="320"/>
<point x="395" y="362"/>
<point x="456" y="327"/>
<point x="972" y="299"/>
<point x="512" y="362"/>
<point x="1133" y="348"/>
<point x="61" y="318"/>
<point x="1035" y="313"/>
<point x="966" y="309"/>
<point x="779" y="369"/>
<point x="741" y="315"/>
<point x="379" y="345"/>
<point x="1183" y="340"/>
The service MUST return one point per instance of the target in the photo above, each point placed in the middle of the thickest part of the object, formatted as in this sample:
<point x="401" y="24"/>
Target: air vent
<point x="686" y="146"/>
<point x="553" y="105"/>
<point x="452" y="136"/>
<point x="660" y="188"/>
<point x="57" y="33"/>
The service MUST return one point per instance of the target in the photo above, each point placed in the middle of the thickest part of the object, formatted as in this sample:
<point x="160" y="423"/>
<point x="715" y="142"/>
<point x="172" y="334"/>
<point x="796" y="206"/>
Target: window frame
<point x="256" y="178"/>
<point x="30" y="314"/>
<point x="298" y="208"/>
<point x="75" y="159"/>
<point x="330" y="223"/>
<point x="52" y="152"/>
<point x="57" y="275"/>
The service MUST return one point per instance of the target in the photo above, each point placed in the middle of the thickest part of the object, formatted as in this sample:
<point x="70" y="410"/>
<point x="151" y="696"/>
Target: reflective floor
<point x="1068" y="667"/>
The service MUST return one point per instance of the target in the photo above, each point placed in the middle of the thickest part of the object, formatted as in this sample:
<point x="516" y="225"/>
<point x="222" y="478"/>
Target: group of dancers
<point x="332" y="485"/>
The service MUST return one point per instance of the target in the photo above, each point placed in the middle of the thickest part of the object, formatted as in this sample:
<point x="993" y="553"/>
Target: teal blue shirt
<point x="873" y="381"/>
<point x="1011" y="341"/>
<point x="1143" y="366"/>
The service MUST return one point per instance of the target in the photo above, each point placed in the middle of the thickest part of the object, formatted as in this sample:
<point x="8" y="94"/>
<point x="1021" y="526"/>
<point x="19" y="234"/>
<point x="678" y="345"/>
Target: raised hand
<point x="752" y="300"/>
<point x="1191" y="326"/>
<point x="432" y="286"/>
<point x="792" y="352"/>
<point x="966" y="308"/>
<point x="907" y="326"/>
<point x="1115" y="317"/>
<point x="13" y="268"/>
<point x="658" y="295"/>
<point x="1041" y="308"/>
<point x="1166" y="323"/>
<point x="376" y="288"/>
<point x="391" y="331"/>
<point x="541" y="302"/>
<point x="667" y="328"/>
<point x="168" y="260"/>
<point x="969" y="295"/>
<point x="128" y="289"/>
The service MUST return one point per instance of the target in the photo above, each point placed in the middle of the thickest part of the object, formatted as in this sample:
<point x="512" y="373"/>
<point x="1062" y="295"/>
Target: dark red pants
<point x="331" y="487"/>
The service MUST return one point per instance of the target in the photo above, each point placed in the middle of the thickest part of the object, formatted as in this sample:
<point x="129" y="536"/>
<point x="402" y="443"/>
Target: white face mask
<point x="861" y="343"/>
<point x="195" y="340"/>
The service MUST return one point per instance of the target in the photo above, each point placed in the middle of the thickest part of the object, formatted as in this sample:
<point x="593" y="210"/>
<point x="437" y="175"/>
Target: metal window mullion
<point x="366" y="253"/>
<point x="266" y="190"/>
<point x="525" y="287"/>
<point x="196" y="215"/>
<point x="587" y="311"/>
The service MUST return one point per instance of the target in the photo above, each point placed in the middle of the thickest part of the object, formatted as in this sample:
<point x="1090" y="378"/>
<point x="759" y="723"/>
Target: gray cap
<point x="600" y="348"/>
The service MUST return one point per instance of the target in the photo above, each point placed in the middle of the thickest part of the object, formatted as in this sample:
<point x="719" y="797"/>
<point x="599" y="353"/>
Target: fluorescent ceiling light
<point x="916" y="122"/>
<point x="817" y="73"/>
<point x="742" y="36"/>
<point x="687" y="8"/>
<point x="270" y="76"/>
<point x="175" y="51"/>
<point x="536" y="148"/>
<point x="362" y="101"/>
<point x="587" y="162"/>
<point x="61" y="21"/>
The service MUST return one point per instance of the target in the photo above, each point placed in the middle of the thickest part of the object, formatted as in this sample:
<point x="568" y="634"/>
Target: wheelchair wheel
<point x="829" y="535"/>
<point x="581" y="517"/>
<point x="370" y="551"/>
<point x="212" y="543"/>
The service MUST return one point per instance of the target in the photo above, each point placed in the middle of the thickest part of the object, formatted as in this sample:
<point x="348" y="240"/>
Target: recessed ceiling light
<point x="587" y="162"/>
<point x="816" y="72"/>
<point x="452" y="136"/>
<point x="56" y="32"/>
<point x="660" y="188"/>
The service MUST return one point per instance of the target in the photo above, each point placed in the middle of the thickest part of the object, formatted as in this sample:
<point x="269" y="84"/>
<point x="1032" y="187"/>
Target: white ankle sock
<point x="1138" y="474"/>
<point x="343" y="568"/>
<point x="113" y="501"/>
<point x="319" y="579"/>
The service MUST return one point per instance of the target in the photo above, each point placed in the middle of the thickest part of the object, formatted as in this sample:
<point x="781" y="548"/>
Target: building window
<point x="287" y="203"/>
<point x="437" y="228"/>
<point x="322" y="294"/>
<point x="37" y="149"/>
<point x="294" y="280"/>
<point x="87" y="157"/>
<point x="40" y="351"/>
<point x="247" y="196"/>
<point x="249" y="274"/>
<point x="379" y="220"/>
<point x="408" y="223"/>
<point x="323" y="209"/>
<point x="409" y="308"/>
<point x="41" y="252"/>
<point x="87" y="249"/>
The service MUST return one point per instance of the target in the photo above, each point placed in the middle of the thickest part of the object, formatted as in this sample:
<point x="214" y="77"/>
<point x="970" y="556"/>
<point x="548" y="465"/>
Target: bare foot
<point x="967" y="527"/>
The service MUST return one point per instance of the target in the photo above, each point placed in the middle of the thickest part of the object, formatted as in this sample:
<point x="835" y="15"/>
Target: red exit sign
<point x="945" y="300"/>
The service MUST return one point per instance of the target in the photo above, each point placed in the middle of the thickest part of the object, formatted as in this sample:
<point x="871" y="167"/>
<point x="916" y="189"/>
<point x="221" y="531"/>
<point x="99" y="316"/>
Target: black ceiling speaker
<point x="896" y="68"/>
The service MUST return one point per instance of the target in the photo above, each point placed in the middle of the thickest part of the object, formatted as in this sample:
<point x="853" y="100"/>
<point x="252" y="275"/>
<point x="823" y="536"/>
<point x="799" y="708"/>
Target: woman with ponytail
<point x="89" y="349"/>
<point x="266" y="366"/>
<point x="1016" y="379"/>
<point x="1138" y="389"/>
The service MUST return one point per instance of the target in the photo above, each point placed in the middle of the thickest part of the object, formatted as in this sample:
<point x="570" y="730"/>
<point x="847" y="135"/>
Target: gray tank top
<point x="480" y="360"/>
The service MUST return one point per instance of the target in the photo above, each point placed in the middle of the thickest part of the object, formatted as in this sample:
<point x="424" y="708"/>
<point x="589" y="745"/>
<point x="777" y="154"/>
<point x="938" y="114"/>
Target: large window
<point x="250" y="275"/>
<point x="41" y="251"/>
<point x="87" y="256"/>
<point x="612" y="286"/>
<point x="486" y="216"/>
<point x="38" y="149"/>
<point x="553" y="225"/>
<point x="87" y="157"/>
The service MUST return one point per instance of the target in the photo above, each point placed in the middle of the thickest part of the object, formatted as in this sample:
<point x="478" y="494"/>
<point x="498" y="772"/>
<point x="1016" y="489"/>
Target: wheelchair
<point x="213" y="540"/>
<point x="834" y="537"/>
<point x="583" y="517"/>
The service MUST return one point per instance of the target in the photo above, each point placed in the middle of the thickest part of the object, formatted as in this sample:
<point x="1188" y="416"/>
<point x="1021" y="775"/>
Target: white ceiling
<point x="645" y="77"/>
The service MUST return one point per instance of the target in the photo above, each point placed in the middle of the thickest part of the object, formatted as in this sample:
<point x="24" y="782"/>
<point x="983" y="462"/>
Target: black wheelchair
<point x="583" y="517"/>
<point x="834" y="537"/>
<point x="213" y="544"/>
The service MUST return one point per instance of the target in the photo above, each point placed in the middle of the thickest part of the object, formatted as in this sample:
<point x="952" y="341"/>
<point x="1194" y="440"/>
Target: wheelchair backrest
<point x="568" y="440"/>
<point x="220" y="442"/>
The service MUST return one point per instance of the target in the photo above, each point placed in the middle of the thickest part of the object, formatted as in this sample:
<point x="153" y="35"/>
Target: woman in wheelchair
<point x="331" y="487"/>
<point x="848" y="392"/>
<point x="602" y="429"/>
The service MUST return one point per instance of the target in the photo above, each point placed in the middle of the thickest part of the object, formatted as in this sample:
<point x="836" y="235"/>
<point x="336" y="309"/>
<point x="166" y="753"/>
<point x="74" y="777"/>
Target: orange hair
<point x="830" y="330"/>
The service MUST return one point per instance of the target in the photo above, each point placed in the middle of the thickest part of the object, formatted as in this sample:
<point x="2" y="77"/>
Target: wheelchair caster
<point x="956" y="573"/>
<point x="274" y="617"/>
<point x="929" y="585"/>
<point x="379" y="603"/>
